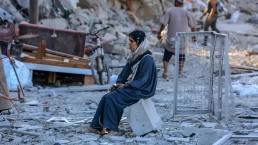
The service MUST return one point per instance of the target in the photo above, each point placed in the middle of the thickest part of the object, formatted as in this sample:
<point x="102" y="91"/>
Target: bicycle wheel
<point x="102" y="76"/>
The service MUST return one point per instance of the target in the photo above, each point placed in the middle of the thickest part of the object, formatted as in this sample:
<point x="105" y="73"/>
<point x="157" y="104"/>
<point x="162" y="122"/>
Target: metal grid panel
<point x="205" y="74"/>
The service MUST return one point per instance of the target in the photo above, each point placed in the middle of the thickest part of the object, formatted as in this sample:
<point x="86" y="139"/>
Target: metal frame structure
<point x="218" y="86"/>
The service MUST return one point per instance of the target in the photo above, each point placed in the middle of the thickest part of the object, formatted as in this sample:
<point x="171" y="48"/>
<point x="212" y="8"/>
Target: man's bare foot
<point x="89" y="130"/>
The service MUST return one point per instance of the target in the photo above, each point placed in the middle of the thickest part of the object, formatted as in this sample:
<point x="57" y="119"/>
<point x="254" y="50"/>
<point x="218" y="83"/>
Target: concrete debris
<point x="93" y="106"/>
<point x="189" y="131"/>
<point x="209" y="124"/>
<point x="33" y="103"/>
<point x="178" y="139"/>
<point x="207" y="136"/>
<point x="57" y="23"/>
<point x="143" y="117"/>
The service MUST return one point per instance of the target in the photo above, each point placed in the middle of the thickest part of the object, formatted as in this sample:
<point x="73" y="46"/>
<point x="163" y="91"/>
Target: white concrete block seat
<point x="143" y="117"/>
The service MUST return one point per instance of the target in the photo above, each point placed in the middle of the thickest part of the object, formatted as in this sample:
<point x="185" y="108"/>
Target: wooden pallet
<point x="42" y="59"/>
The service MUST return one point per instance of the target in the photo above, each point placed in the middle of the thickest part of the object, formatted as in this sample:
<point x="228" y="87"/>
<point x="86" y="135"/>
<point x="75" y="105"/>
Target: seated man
<point x="137" y="80"/>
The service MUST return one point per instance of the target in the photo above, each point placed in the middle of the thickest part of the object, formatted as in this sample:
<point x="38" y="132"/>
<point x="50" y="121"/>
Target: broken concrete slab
<point x="233" y="27"/>
<point x="62" y="142"/>
<point x="143" y="139"/>
<point x="188" y="131"/>
<point x="24" y="127"/>
<point x="188" y="124"/>
<point x="56" y="23"/>
<point x="222" y="140"/>
<point x="178" y="139"/>
<point x="33" y="103"/>
<point x="209" y="124"/>
<point x="143" y="117"/>
<point x="207" y="136"/>
<point x="87" y="137"/>
<point x="114" y="138"/>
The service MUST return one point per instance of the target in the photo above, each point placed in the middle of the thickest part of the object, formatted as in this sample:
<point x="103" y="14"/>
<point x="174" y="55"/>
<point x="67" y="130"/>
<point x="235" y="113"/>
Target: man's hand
<point x="209" y="19"/>
<point x="11" y="59"/>
<point x="159" y="36"/>
<point x="193" y="39"/>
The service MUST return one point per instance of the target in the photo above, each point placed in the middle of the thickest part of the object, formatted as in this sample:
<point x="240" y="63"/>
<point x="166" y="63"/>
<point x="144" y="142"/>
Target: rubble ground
<point x="54" y="118"/>
<point x="70" y="112"/>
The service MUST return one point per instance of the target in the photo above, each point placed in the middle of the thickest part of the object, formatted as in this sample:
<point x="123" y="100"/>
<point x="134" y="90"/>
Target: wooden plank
<point x="244" y="75"/>
<point x="244" y="67"/>
<point x="30" y="47"/>
<point x="88" y="80"/>
<point x="56" y="58"/>
<point x="52" y="77"/>
<point x="41" y="50"/>
<point x="51" y="68"/>
<point x="56" y="63"/>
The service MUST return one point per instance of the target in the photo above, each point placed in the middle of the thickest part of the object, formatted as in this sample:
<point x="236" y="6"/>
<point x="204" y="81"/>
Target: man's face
<point x="175" y="3"/>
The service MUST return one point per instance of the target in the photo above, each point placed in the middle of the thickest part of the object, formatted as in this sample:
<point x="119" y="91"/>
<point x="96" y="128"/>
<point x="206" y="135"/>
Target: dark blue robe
<point x="142" y="86"/>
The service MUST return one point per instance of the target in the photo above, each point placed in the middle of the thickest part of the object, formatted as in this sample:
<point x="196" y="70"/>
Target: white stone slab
<point x="143" y="117"/>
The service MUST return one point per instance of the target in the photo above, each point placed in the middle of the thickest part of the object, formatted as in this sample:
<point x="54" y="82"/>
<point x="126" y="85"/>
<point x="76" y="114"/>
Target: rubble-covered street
<point x="54" y="113"/>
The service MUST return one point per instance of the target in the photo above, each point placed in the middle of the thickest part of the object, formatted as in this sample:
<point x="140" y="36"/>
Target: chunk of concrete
<point x="178" y="139"/>
<point x="114" y="138"/>
<point x="207" y="136"/>
<point x="188" y="131"/>
<point x="56" y="23"/>
<point x="209" y="124"/>
<point x="143" y="117"/>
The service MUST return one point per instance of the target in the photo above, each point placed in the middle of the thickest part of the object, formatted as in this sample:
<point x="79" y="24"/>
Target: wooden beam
<point x="244" y="75"/>
<point x="52" y="77"/>
<point x="34" y="12"/>
<point x="244" y="67"/>
<point x="41" y="50"/>
<point x="56" y="58"/>
<point x="88" y="80"/>
<point x="30" y="47"/>
<point x="56" y="63"/>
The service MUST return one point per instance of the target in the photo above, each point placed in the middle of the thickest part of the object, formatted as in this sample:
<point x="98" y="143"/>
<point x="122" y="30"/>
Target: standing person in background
<point x="211" y="19"/>
<point x="178" y="20"/>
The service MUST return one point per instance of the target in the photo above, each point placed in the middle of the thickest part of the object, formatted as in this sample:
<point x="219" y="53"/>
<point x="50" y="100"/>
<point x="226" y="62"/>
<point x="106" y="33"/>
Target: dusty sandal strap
<point x="104" y="131"/>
